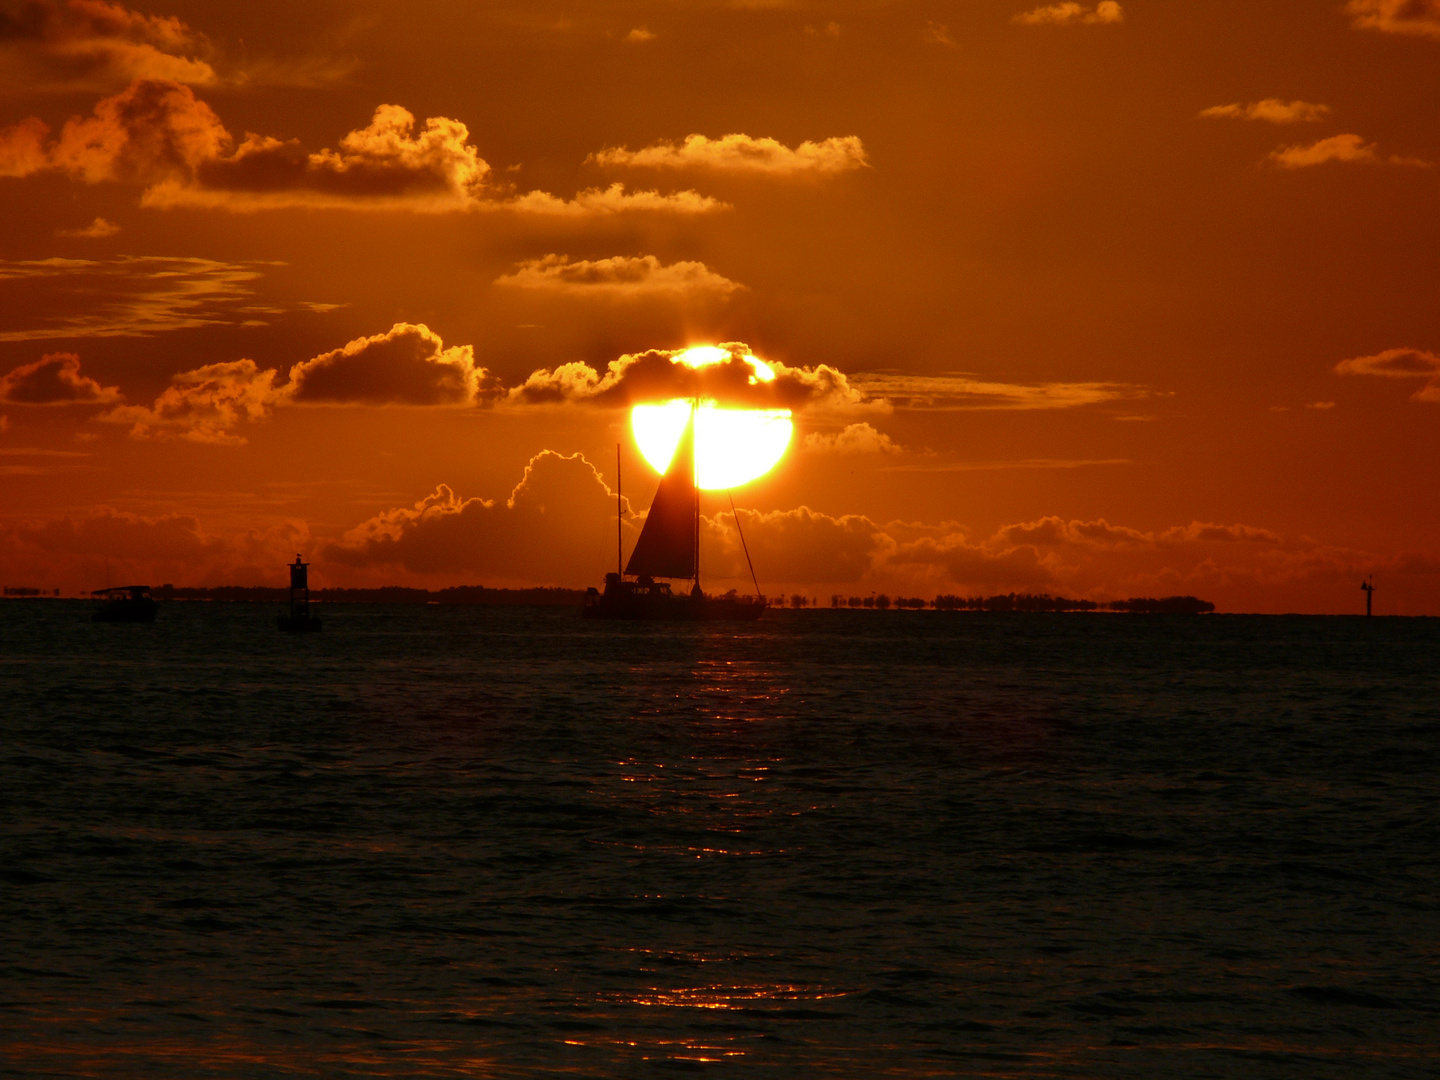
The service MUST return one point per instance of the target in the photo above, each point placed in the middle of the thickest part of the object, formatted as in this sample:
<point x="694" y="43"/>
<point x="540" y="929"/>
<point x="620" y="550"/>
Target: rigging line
<point x="745" y="547"/>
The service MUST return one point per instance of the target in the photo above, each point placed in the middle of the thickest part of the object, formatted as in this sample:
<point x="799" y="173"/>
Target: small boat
<point x="124" y="603"/>
<point x="299" y="619"/>
<point x="669" y="547"/>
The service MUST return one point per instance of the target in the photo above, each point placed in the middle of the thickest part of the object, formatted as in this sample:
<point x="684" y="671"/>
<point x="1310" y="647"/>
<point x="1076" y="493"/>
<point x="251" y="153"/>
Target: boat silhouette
<point x="669" y="548"/>
<point x="124" y="603"/>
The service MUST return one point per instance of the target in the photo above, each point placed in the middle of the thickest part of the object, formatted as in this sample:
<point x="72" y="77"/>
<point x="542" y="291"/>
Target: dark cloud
<point x="203" y="405"/>
<point x="46" y="45"/>
<point x="109" y="533"/>
<point x="1416" y="17"/>
<point x="1404" y="363"/>
<point x="407" y="365"/>
<point x="556" y="528"/>
<point x="54" y="379"/>
<point x="158" y="134"/>
<point x="661" y="375"/>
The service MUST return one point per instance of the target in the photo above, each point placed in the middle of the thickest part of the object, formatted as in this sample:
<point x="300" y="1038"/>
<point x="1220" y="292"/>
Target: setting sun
<point x="732" y="446"/>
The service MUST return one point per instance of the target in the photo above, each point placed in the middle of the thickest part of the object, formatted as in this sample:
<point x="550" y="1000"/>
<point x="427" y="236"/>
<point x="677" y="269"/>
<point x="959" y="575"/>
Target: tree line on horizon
<point x="1143" y="605"/>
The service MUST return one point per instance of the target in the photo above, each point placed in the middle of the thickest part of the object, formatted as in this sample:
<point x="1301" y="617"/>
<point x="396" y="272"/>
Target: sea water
<point x="507" y="842"/>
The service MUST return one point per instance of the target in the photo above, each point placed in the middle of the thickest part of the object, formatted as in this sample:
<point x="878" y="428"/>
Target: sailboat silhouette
<point x="669" y="547"/>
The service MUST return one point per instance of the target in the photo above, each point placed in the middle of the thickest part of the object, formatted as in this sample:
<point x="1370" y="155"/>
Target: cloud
<point x="203" y="405"/>
<point x="159" y="135"/>
<point x="407" y="365"/>
<point x="620" y="276"/>
<point x="639" y="36"/>
<point x="128" y="296"/>
<point x="1399" y="364"/>
<point x="1341" y="148"/>
<point x="47" y="46"/>
<point x="937" y="34"/>
<point x="388" y="164"/>
<point x="963" y="393"/>
<point x="556" y="528"/>
<point x="1270" y="110"/>
<point x="1107" y="11"/>
<point x="22" y="148"/>
<point x="659" y="375"/>
<point x="830" y="30"/>
<point x="604" y="202"/>
<point x="742" y="154"/>
<point x="99" y="229"/>
<point x="1415" y="17"/>
<point x="111" y="533"/>
<point x="54" y="379"/>
<point x="150" y="132"/>
<point x="855" y="439"/>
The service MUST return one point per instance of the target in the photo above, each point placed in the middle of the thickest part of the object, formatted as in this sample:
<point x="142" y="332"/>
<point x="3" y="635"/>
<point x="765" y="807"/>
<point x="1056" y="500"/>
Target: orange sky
<point x="1096" y="299"/>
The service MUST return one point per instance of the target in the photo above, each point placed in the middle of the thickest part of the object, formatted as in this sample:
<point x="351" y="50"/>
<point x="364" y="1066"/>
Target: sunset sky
<point x="1107" y="300"/>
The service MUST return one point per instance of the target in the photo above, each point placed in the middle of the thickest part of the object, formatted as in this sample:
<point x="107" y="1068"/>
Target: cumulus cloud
<point x="1338" y="148"/>
<point x="1107" y="11"/>
<point x="964" y="393"/>
<point x="158" y="134"/>
<point x="556" y="528"/>
<point x="659" y="375"/>
<point x="620" y="276"/>
<point x="858" y="438"/>
<point x="407" y="365"/>
<point x="54" y="379"/>
<point x="99" y="229"/>
<point x="46" y="45"/>
<point x="388" y="164"/>
<point x="128" y="296"/>
<point x="607" y="201"/>
<point x="152" y="131"/>
<point x="639" y="36"/>
<point x="1270" y="110"/>
<point x="1399" y="364"/>
<point x="203" y="405"/>
<point x="1416" y="17"/>
<point x="742" y="154"/>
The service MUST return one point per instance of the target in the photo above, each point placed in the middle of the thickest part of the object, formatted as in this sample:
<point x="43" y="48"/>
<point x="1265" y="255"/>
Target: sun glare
<point x="732" y="446"/>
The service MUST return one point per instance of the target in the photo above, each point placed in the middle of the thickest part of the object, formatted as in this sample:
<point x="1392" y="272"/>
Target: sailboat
<point x="669" y="547"/>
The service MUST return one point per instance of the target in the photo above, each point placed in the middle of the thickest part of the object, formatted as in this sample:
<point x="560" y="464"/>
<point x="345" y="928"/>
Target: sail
<point x="667" y="543"/>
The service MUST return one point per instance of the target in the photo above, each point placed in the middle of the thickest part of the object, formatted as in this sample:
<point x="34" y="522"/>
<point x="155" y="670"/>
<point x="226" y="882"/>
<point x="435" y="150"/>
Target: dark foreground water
<point x="509" y="843"/>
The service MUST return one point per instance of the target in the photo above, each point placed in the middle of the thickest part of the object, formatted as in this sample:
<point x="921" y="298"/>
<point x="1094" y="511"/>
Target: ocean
<point x="507" y="842"/>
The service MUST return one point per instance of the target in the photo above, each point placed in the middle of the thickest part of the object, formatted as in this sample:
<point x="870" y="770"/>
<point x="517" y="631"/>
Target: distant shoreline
<point x="479" y="595"/>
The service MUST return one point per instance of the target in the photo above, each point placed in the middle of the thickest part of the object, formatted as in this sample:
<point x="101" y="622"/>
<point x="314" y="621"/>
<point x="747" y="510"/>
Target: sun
<point x="732" y="446"/>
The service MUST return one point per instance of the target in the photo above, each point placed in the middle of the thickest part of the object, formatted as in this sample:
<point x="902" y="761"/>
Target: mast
<point x="695" y="482"/>
<point x="619" y="520"/>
